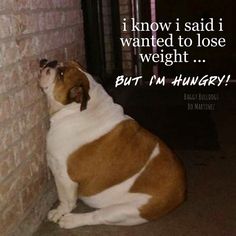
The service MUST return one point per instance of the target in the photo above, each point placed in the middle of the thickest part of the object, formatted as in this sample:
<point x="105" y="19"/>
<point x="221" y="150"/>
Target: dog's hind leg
<point x="122" y="214"/>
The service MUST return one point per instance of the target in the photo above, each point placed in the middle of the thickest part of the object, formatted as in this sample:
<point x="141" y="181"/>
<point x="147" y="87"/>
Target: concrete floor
<point x="210" y="209"/>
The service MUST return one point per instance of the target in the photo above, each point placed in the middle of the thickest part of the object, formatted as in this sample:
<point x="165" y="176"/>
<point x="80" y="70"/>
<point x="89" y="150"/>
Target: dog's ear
<point x="80" y="95"/>
<point x="42" y="63"/>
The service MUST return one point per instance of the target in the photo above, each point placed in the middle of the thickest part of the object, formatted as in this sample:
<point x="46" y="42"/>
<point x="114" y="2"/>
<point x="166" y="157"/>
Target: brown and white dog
<point x="102" y="156"/>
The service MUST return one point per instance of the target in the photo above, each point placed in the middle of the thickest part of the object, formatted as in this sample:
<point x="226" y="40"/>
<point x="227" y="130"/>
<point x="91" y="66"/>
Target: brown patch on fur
<point x="164" y="180"/>
<point x="111" y="159"/>
<point x="77" y="64"/>
<point x="73" y="78"/>
<point x="122" y="153"/>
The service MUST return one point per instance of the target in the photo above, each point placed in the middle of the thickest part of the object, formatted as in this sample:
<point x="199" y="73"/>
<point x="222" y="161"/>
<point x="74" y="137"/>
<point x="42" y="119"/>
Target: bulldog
<point x="103" y="157"/>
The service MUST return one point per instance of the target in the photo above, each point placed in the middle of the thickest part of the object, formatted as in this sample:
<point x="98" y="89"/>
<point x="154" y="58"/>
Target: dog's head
<point x="64" y="83"/>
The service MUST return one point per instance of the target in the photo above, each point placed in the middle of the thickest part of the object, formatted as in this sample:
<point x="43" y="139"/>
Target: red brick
<point x="5" y="109"/>
<point x="9" y="53"/>
<point x="32" y="191"/>
<point x="27" y="23"/>
<point x="62" y="3"/>
<point x="9" y="79"/>
<point x="39" y="4"/>
<point x="5" y="29"/>
<point x="28" y="47"/>
<point x="73" y="51"/>
<point x="51" y="30"/>
<point x="22" y="4"/>
<point x="124" y="9"/>
<point x="30" y="143"/>
<point x="6" y="5"/>
<point x="7" y="164"/>
<point x="58" y="54"/>
<point x="13" y="184"/>
<point x="10" y="216"/>
<point x="72" y="17"/>
<point x="23" y="70"/>
<point x="127" y="56"/>
<point x="124" y="2"/>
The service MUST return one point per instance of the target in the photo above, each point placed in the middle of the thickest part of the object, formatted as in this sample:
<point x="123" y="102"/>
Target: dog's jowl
<point x="102" y="156"/>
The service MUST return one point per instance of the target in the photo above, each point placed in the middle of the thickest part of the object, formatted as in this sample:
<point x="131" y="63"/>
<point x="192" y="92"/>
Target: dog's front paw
<point x="69" y="221"/>
<point x="55" y="215"/>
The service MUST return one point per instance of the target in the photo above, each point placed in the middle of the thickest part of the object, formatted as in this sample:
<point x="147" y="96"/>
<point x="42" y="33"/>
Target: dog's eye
<point x="60" y="72"/>
<point x="60" y="75"/>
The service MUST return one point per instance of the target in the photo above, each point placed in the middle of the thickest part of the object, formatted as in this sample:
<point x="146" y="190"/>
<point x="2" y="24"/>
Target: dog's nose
<point x="43" y="62"/>
<point x="52" y="64"/>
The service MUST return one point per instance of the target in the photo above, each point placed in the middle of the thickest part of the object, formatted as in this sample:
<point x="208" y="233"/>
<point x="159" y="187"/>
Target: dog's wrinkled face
<point x="64" y="83"/>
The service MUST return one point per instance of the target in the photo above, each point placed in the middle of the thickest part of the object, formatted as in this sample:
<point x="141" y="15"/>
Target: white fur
<point x="119" y="193"/>
<point x="71" y="129"/>
<point x="47" y="83"/>
<point x="117" y="205"/>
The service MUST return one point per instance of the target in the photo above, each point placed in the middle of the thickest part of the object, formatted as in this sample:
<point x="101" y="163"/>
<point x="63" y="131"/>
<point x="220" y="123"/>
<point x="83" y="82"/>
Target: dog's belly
<point x="117" y="194"/>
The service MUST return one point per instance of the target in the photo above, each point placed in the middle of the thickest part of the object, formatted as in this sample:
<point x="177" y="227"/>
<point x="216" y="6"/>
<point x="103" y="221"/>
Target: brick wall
<point x="127" y="52"/>
<point x="29" y="30"/>
<point x="107" y="24"/>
